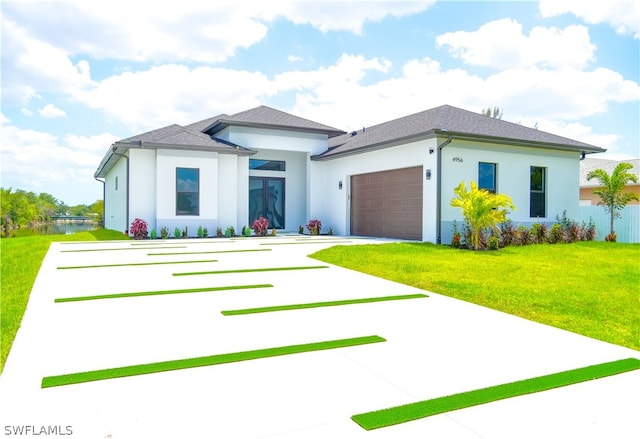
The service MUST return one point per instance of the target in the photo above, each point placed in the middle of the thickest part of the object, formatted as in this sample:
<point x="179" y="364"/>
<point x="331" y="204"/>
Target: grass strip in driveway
<point x="418" y="410"/>
<point x="207" y="252"/>
<point x="117" y="249"/>
<point x="135" y="264"/>
<point x="236" y="312"/>
<point x="212" y="360"/>
<point x="161" y="292"/>
<point x="252" y="270"/>
<point x="302" y="243"/>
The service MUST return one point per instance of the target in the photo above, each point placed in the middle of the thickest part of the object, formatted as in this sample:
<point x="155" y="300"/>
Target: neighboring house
<point x="395" y="179"/>
<point x="587" y="197"/>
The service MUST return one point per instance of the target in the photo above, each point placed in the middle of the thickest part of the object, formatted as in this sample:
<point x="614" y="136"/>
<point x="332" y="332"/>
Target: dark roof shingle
<point x="267" y="117"/>
<point x="445" y="118"/>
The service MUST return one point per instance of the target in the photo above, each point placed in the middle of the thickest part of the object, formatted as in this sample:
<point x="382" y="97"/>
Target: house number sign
<point x="458" y="159"/>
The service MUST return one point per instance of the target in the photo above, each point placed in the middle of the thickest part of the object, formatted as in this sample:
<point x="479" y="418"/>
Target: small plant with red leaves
<point x="260" y="226"/>
<point x="138" y="229"/>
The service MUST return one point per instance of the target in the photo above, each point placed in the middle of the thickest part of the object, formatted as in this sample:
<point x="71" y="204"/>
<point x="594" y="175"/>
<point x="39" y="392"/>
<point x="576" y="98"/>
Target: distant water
<point x="57" y="228"/>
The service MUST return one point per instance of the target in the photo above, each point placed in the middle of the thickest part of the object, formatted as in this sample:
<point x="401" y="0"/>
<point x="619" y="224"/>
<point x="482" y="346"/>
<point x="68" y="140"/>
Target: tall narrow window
<point x="187" y="191"/>
<point x="538" y="197"/>
<point x="487" y="176"/>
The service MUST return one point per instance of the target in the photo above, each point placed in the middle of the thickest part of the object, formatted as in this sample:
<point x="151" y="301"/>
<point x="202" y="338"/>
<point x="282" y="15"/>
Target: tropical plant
<point x="611" y="189"/>
<point x="153" y="234"/>
<point x="314" y="226"/>
<point x="555" y="234"/>
<point x="539" y="232"/>
<point x="164" y="232"/>
<point x="481" y="209"/>
<point x="138" y="229"/>
<point x="260" y="226"/>
<point x="508" y="233"/>
<point x="246" y="231"/>
<point x="494" y="241"/>
<point x="525" y="237"/>
<point x="456" y="237"/>
<point x="185" y="232"/>
<point x="176" y="233"/>
<point x="200" y="232"/>
<point x="588" y="231"/>
<point x="229" y="232"/>
<point x="219" y="232"/>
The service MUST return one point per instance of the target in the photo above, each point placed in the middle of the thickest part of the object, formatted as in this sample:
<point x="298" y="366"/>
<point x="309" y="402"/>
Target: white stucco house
<point x="394" y="179"/>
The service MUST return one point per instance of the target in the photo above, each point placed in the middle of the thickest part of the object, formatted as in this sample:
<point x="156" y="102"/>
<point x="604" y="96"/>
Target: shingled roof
<point x="176" y="135"/>
<point x="454" y="121"/>
<point x="589" y="164"/>
<point x="171" y="136"/>
<point x="267" y="117"/>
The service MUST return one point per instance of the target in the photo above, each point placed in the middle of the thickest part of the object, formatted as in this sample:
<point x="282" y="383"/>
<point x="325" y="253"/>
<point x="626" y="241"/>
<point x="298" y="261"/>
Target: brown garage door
<point x="387" y="204"/>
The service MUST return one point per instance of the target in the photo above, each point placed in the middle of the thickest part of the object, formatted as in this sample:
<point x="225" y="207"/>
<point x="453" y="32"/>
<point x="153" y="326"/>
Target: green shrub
<point x="200" y="232"/>
<point x="555" y="235"/>
<point x="153" y="234"/>
<point x="229" y="232"/>
<point x="164" y="233"/>
<point x="176" y="233"/>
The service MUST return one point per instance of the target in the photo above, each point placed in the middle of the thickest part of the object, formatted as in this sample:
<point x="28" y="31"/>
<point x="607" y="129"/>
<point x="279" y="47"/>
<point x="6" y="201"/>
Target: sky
<point x="78" y="75"/>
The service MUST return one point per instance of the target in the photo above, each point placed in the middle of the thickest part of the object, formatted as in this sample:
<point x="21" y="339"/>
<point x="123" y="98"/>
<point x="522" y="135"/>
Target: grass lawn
<point x="20" y="260"/>
<point x="591" y="288"/>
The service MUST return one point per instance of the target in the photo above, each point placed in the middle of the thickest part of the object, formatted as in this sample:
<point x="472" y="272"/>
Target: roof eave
<point x="587" y="149"/>
<point x="222" y="124"/>
<point x="121" y="148"/>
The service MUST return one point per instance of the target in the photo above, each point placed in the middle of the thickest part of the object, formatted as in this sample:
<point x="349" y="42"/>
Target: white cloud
<point x="501" y="44"/>
<point x="173" y="93"/>
<point x="31" y="66"/>
<point x="142" y="31"/>
<point x="346" y="16"/>
<point x="559" y="94"/>
<point x="41" y="162"/>
<point x="581" y="132"/>
<point x="50" y="111"/>
<point x="193" y="30"/>
<point x="294" y="58"/>
<point x="622" y="15"/>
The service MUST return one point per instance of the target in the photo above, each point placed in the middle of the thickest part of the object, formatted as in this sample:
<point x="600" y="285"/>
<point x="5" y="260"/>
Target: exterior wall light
<point x="427" y="174"/>
<point x="431" y="150"/>
<point x="340" y="185"/>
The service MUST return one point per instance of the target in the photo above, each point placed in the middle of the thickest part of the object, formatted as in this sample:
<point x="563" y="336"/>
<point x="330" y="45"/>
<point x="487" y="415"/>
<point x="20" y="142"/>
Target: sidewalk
<point x="434" y="346"/>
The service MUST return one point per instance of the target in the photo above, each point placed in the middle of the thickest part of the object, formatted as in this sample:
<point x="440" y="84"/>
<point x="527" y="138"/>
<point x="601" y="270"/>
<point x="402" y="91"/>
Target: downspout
<point x="127" y="188"/>
<point x="439" y="190"/>
<point x="104" y="195"/>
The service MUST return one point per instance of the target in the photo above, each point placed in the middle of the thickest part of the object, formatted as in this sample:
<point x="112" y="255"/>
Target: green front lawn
<point x="591" y="288"/>
<point x="20" y="260"/>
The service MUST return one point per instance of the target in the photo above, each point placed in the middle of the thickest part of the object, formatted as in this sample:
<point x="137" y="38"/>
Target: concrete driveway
<point x="434" y="346"/>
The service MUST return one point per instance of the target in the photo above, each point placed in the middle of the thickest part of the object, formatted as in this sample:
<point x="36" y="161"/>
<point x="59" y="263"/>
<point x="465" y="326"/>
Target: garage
<point x="387" y="204"/>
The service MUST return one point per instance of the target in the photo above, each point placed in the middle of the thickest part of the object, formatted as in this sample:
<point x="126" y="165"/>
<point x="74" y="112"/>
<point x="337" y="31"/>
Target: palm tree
<point x="481" y="209"/>
<point x="611" y="188"/>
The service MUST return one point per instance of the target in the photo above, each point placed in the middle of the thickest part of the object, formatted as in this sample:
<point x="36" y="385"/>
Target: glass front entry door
<point x="266" y="199"/>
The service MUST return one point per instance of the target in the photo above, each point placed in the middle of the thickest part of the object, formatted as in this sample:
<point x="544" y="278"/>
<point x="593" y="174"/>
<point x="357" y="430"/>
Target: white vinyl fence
<point x="627" y="226"/>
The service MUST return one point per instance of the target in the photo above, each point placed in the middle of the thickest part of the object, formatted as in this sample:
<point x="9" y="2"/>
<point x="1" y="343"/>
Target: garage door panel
<point x="387" y="204"/>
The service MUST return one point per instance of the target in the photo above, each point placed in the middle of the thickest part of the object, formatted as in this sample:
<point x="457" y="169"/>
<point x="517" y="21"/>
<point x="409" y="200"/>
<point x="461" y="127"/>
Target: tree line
<point x="19" y="208"/>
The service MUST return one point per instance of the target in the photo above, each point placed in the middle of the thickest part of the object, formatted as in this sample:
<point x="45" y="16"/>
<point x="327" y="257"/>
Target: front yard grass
<point x="20" y="260"/>
<point x="590" y="288"/>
